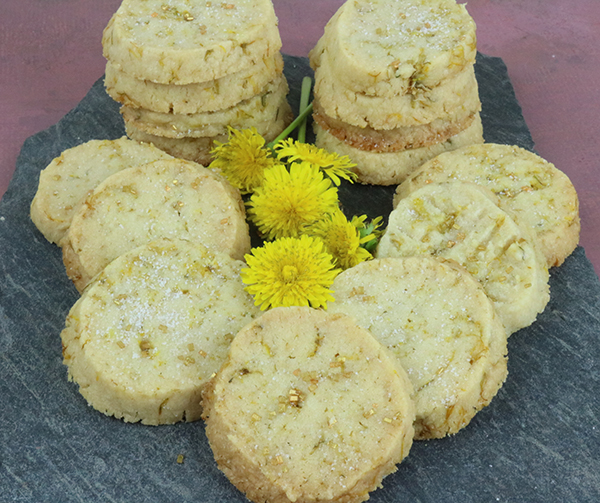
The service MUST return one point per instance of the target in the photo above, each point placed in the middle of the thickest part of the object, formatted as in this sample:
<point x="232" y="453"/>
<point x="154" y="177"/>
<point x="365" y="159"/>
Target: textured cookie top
<point x="173" y="198"/>
<point x="66" y="181"/>
<point x="436" y="319"/>
<point x="399" y="43"/>
<point x="457" y="220"/>
<point x="532" y="190"/>
<point x="312" y="402"/>
<point x="155" y="325"/>
<point x="181" y="42"/>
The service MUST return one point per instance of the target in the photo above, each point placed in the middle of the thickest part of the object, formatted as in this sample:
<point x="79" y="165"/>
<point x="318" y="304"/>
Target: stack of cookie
<point x="395" y="85"/>
<point x="185" y="72"/>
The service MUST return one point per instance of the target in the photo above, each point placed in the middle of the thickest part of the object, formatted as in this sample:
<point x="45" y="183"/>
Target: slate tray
<point x="538" y="441"/>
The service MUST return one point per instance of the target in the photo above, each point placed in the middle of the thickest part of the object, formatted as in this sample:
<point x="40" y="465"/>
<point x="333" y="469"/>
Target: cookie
<point x="391" y="140"/>
<point x="184" y="43"/>
<point x="459" y="221"/>
<point x="451" y="100"/>
<point x="387" y="47"/>
<point x="144" y="339"/>
<point x="308" y="407"/>
<point x="67" y="180"/>
<point x="198" y="149"/>
<point x="170" y="199"/>
<point x="192" y="98"/>
<point x="435" y="318"/>
<point x="390" y="168"/>
<point x="536" y="194"/>
<point x="252" y="112"/>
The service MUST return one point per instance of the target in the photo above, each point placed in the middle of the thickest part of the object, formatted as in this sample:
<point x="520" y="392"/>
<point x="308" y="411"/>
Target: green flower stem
<point x="286" y="132"/>
<point x="304" y="97"/>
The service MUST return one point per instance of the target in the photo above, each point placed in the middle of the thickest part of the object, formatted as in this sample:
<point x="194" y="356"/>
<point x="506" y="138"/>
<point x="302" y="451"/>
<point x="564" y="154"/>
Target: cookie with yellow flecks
<point x="451" y="100"/>
<point x="196" y="97"/>
<point x="145" y="338"/>
<point x="264" y="108"/>
<point x="535" y="193"/>
<point x="181" y="42"/>
<point x="395" y="85"/>
<point x="460" y="221"/>
<point x="308" y="406"/>
<point x="172" y="199"/>
<point x="389" y="47"/>
<point x="67" y="180"/>
<point x="391" y="140"/>
<point x="436" y="319"/>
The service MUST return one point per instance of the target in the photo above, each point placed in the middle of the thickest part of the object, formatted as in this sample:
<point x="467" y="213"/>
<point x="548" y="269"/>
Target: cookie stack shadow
<point x="184" y="77"/>
<point x="396" y="86"/>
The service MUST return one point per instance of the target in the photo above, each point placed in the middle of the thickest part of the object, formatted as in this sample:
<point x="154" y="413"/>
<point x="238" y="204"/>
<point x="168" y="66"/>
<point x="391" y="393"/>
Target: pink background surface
<point x="51" y="54"/>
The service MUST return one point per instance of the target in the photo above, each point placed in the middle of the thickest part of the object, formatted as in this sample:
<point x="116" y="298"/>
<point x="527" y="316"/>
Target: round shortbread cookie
<point x="390" y="140"/>
<point x="144" y="339"/>
<point x="460" y="221"/>
<point x="390" y="168"/>
<point x="183" y="43"/>
<point x="450" y="100"/>
<point x="68" y="179"/>
<point x="435" y="318"/>
<point x="192" y="98"/>
<point x="386" y="47"/>
<point x="198" y="149"/>
<point x="170" y="199"/>
<point x="255" y="111"/>
<point x="308" y="407"/>
<point x="535" y="193"/>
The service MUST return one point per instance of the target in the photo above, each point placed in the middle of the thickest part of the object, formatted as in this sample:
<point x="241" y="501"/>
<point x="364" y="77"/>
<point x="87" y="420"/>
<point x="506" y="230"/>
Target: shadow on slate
<point x="538" y="441"/>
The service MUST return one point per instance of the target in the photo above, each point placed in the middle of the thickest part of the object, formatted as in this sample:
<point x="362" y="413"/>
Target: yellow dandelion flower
<point x="290" y="272"/>
<point x="288" y="201"/>
<point x="342" y="239"/>
<point x="332" y="164"/>
<point x="243" y="159"/>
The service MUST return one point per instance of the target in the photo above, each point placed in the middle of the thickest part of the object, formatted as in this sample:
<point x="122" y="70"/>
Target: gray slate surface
<point x="538" y="441"/>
